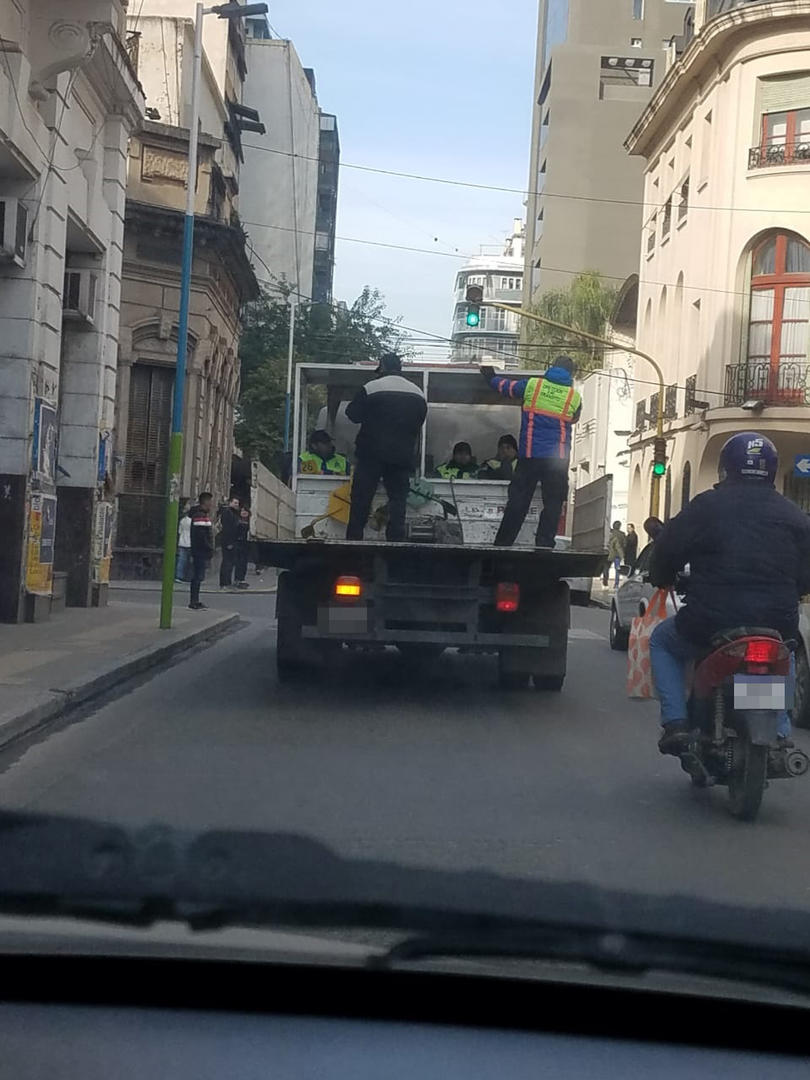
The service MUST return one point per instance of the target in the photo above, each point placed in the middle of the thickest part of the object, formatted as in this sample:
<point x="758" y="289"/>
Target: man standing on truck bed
<point x="551" y="406"/>
<point x="390" y="411"/>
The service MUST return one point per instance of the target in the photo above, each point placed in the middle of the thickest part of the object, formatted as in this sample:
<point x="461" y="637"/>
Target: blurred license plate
<point x="343" y="619"/>
<point x="761" y="692"/>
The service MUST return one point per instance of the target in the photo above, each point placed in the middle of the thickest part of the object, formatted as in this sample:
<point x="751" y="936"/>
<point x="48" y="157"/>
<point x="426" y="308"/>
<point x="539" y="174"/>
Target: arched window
<point x="779" y="337"/>
<point x="686" y="485"/>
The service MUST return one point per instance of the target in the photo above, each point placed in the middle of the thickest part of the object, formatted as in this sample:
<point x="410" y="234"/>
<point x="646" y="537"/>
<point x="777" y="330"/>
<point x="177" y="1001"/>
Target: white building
<point x="724" y="294"/>
<point x="279" y="190"/>
<point x="494" y="340"/>
<point x="600" y="437"/>
<point x="69" y="100"/>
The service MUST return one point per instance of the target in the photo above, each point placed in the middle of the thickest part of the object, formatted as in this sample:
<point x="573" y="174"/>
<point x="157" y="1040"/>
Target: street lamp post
<point x="223" y="11"/>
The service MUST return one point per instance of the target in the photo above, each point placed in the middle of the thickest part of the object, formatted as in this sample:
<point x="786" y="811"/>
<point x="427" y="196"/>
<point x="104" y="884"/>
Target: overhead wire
<point x="523" y="192"/>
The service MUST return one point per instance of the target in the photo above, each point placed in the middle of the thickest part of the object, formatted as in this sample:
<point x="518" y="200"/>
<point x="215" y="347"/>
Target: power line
<point x="523" y="192"/>
<point x="357" y="240"/>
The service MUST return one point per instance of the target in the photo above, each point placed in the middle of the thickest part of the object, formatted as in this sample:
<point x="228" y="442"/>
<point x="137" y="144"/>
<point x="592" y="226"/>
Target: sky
<point x="436" y="87"/>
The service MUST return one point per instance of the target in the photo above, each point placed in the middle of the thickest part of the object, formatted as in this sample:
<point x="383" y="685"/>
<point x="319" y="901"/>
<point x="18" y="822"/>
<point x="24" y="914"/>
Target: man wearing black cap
<point x="390" y="411"/>
<point x="551" y="406"/>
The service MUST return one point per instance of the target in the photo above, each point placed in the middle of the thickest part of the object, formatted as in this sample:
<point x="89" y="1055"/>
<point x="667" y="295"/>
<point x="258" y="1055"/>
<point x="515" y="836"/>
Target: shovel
<point x="340" y="501"/>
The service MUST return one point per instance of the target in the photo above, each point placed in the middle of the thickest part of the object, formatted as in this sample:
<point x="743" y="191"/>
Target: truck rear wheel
<point x="553" y="683"/>
<point x="418" y="652"/>
<point x="508" y="678"/>
<point x="289" y="648"/>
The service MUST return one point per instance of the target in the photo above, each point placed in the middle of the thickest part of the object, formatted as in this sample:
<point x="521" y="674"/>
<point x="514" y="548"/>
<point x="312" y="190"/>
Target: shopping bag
<point x="639" y="669"/>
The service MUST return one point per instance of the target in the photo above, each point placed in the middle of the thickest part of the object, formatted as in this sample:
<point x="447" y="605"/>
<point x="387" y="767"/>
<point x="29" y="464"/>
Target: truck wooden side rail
<point x="424" y="598"/>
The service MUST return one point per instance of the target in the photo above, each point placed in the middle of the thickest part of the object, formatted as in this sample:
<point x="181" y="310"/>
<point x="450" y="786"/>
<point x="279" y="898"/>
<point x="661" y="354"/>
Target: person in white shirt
<point x="182" y="564"/>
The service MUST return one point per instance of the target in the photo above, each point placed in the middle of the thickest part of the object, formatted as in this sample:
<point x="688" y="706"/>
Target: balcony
<point x="774" y="154"/>
<point x="785" y="385"/>
<point x="720" y="7"/>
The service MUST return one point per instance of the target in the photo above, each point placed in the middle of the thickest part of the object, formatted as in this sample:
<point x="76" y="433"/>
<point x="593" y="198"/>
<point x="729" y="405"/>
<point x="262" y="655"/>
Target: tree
<point x="324" y="333"/>
<point x="587" y="304"/>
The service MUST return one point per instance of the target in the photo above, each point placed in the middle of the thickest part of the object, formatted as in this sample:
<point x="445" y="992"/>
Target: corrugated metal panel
<point x="148" y="429"/>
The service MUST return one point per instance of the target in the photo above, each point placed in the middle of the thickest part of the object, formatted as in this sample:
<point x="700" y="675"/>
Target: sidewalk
<point x="601" y="595"/>
<point x="49" y="667"/>
<point x="266" y="582"/>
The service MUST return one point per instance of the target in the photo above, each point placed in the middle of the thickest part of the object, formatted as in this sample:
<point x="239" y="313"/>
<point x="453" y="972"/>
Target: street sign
<point x="801" y="466"/>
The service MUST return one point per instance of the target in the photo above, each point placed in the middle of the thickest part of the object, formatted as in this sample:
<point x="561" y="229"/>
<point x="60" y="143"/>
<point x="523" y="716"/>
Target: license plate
<point x="762" y="692"/>
<point x="340" y="619"/>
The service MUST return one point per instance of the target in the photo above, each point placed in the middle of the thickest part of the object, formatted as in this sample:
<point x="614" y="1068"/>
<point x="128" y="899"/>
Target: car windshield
<point x="348" y="489"/>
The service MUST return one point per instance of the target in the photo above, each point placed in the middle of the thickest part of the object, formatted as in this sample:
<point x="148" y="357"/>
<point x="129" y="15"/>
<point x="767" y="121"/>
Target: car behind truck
<point x="447" y="586"/>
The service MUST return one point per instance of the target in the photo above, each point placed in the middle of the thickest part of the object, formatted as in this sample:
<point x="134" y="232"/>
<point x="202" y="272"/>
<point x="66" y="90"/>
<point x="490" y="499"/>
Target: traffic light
<point x="660" y="457"/>
<point x="475" y="296"/>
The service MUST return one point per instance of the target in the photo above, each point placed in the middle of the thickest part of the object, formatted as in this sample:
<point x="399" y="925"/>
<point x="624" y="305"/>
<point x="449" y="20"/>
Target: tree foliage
<point x="587" y="304"/>
<point x="338" y="333"/>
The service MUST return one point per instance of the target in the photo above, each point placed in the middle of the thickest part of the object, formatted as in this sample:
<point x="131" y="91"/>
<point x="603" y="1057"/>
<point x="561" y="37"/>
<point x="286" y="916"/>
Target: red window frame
<point x="778" y="282"/>
<point x="790" y="133"/>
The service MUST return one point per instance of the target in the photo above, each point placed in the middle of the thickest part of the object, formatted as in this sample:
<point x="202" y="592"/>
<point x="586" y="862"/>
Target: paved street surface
<point x="437" y="768"/>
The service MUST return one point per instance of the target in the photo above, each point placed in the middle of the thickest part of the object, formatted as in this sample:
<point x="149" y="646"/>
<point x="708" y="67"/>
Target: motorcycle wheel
<point x="746" y="784"/>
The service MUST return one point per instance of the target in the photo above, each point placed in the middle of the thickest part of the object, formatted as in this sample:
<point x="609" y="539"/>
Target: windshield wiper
<point x="53" y="865"/>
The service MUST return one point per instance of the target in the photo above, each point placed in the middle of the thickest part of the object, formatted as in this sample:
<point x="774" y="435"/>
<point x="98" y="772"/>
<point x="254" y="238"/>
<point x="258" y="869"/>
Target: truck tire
<point x="508" y="679"/>
<point x="554" y="683"/>
<point x="289" y="649"/>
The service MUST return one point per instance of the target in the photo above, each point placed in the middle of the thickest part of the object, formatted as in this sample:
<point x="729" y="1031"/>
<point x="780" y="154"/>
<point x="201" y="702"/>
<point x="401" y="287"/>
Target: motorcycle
<point x="738" y="692"/>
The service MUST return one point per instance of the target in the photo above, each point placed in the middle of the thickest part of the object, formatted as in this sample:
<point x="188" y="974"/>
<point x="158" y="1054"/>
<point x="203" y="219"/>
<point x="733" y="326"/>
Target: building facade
<point x="600" y="437"/>
<point x="222" y="281"/>
<point x="323" y="270"/>
<point x="597" y="64"/>
<point x="279" y="189"/>
<point x="724" y="295"/>
<point x="494" y="340"/>
<point x="69" y="100"/>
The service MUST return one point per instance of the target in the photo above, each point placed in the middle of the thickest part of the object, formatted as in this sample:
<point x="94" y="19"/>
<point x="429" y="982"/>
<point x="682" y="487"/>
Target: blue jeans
<point x="670" y="652"/>
<point x="182" y="565"/>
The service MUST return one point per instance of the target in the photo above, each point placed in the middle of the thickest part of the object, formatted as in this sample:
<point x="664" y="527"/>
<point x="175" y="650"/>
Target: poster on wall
<point x="102" y="542"/>
<point x="44" y="443"/>
<point x="39" y="573"/>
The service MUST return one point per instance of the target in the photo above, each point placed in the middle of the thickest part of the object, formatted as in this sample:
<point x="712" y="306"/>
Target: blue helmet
<point x="749" y="456"/>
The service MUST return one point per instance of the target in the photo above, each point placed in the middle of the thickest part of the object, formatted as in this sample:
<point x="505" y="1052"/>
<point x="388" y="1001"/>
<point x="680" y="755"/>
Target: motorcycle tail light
<point x="762" y="651"/>
<point x="507" y="596"/>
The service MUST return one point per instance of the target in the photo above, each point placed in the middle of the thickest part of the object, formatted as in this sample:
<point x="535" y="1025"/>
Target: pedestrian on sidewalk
<point x="202" y="545"/>
<point x="182" y="566"/>
<point x="229" y="522"/>
<point x="616" y="544"/>
<point x="631" y="548"/>
<point x="241" y="549"/>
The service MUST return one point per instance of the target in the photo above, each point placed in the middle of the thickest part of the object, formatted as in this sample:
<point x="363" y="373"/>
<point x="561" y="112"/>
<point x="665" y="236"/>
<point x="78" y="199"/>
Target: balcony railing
<point x="763" y="157"/>
<point x="785" y="385"/>
<point x="720" y="7"/>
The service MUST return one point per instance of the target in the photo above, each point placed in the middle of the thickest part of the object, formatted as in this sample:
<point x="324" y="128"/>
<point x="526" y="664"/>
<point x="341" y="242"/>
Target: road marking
<point x="585" y="635"/>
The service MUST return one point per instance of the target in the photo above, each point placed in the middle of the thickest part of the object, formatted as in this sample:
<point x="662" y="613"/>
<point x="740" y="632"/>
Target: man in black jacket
<point x="229" y="520"/>
<point x="202" y="545"/>
<point x="748" y="550"/>
<point x="390" y="411"/>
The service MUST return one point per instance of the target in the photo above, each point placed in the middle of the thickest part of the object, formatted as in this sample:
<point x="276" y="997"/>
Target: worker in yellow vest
<point x="551" y="406"/>
<point x="321" y="458"/>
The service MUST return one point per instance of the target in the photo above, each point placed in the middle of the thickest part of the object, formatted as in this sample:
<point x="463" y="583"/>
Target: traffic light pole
<point x="655" y="501"/>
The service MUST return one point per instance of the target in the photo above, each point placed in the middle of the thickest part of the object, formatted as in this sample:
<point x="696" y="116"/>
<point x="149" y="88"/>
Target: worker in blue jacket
<point x="551" y="406"/>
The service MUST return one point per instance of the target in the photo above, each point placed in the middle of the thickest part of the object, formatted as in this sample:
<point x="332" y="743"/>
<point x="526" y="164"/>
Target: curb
<point x="601" y="602"/>
<point x="123" y="586"/>
<point x="59" y="701"/>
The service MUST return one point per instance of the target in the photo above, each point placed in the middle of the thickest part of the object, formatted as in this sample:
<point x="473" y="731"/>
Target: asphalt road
<point x="436" y="768"/>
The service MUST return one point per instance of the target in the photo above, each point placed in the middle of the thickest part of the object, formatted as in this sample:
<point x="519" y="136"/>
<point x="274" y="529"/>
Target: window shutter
<point x="785" y="93"/>
<point x="148" y="428"/>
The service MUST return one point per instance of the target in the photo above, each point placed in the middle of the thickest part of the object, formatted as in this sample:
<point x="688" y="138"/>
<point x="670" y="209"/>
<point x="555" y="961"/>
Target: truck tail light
<point x="507" y="596"/>
<point x="348" y="588"/>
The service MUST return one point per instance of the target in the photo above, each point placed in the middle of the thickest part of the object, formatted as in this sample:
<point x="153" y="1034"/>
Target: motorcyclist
<point x="748" y="550"/>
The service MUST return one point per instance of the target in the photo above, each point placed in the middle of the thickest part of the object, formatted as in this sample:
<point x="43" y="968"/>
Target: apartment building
<point x="597" y="65"/>
<point x="724" y="290"/>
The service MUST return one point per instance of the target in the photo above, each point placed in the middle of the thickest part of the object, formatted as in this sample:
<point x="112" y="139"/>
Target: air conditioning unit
<point x="79" y="296"/>
<point x="13" y="231"/>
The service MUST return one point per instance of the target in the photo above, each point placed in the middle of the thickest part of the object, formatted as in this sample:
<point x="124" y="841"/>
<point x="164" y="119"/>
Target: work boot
<point x="675" y="739"/>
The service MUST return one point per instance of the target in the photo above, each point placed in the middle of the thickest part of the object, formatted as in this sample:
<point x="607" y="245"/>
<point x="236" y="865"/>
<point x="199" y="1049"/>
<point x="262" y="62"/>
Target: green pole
<point x="172" y="520"/>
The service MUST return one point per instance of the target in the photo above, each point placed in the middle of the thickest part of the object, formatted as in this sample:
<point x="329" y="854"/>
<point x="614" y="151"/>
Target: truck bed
<point x="347" y="554"/>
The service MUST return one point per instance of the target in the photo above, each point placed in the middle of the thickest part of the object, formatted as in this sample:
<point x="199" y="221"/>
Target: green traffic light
<point x="473" y="318"/>
<point x="659" y="468"/>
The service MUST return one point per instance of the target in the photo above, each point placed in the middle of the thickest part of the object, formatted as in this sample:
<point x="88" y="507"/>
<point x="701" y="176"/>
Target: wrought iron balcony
<point x="763" y="157"/>
<point x="720" y="7"/>
<point x="784" y="385"/>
